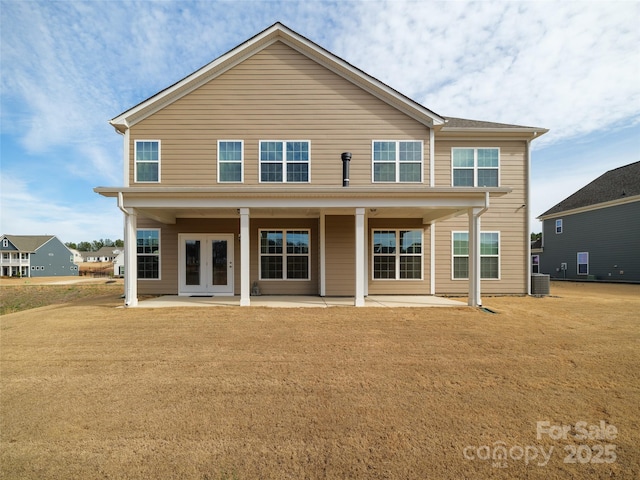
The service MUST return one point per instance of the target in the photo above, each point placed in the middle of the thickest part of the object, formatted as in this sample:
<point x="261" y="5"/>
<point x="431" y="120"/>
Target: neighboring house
<point x="77" y="256"/>
<point x="118" y="265"/>
<point x="105" y="254"/>
<point x="595" y="233"/>
<point x="283" y="164"/>
<point x="35" y="256"/>
<point x="536" y="250"/>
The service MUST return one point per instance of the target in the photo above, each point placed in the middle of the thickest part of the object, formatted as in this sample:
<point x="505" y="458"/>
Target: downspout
<point x="475" y="294"/>
<point x="527" y="233"/>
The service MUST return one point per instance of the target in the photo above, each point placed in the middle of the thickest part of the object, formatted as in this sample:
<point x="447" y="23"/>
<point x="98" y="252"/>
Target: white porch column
<point x="323" y="254"/>
<point x="130" y="258"/>
<point x="360" y="252"/>
<point x="245" y="271"/>
<point x="474" y="257"/>
<point x="432" y="259"/>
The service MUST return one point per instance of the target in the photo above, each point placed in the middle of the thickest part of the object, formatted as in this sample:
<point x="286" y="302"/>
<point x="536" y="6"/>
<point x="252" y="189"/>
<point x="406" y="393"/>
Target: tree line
<point x="95" y="245"/>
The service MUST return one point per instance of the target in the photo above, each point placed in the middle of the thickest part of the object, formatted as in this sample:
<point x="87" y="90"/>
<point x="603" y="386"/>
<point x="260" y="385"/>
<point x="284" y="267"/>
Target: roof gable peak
<point x="272" y="34"/>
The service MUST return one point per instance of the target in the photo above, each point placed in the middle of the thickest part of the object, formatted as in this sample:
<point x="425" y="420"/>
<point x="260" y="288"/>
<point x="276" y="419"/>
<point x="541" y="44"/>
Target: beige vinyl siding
<point x="506" y="215"/>
<point x="277" y="94"/>
<point x="168" y="283"/>
<point x="340" y="233"/>
<point x="399" y="287"/>
<point x="284" y="287"/>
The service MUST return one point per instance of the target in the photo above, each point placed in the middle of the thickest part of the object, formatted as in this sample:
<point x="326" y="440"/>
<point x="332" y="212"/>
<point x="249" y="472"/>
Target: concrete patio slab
<point x="300" y="301"/>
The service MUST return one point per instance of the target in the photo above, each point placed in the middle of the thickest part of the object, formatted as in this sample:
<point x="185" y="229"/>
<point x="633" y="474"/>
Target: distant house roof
<point x="617" y="184"/>
<point x="536" y="244"/>
<point x="28" y="243"/>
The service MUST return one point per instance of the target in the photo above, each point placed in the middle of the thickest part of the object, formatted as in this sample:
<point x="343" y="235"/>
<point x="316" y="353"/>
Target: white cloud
<point x="23" y="212"/>
<point x="572" y="67"/>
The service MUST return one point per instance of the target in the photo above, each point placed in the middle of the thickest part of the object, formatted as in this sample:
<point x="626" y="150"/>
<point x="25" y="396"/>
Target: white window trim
<point x="397" y="255"/>
<point x="488" y="256"/>
<point x="397" y="161"/>
<point x="578" y="263"/>
<point x="284" y="160"/>
<point x="535" y="255"/>
<point x="5" y="242"/>
<point x="283" y="254"/>
<point x="135" y="161"/>
<point x="559" y="223"/>
<point x="475" y="163"/>
<point x="148" y="254"/>
<point x="226" y="161"/>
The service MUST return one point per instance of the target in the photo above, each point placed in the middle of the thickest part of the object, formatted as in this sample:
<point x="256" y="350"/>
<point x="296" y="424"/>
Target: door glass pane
<point x="192" y="259"/>
<point x="219" y="262"/>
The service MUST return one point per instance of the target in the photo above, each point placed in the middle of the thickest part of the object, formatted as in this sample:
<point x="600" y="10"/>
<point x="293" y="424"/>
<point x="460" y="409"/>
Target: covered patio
<point x="300" y="301"/>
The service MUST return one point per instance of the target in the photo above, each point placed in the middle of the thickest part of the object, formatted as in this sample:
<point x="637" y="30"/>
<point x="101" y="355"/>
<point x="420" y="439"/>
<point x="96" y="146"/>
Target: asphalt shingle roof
<point x="454" y="122"/>
<point x="613" y="185"/>
<point x="28" y="243"/>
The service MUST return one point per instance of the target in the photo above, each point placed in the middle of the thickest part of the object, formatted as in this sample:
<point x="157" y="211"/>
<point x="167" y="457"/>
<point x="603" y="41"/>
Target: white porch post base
<point x="130" y="259"/>
<point x="245" y="272"/>
<point x="360" y="252"/>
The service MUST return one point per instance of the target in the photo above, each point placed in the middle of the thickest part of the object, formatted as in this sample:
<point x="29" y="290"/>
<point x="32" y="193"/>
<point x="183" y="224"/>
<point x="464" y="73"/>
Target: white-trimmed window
<point x="147" y="160"/>
<point x="5" y="242"/>
<point x="559" y="225"/>
<point x="535" y="263"/>
<point x="489" y="255"/>
<point x="230" y="161"/>
<point x="284" y="255"/>
<point x="284" y="161"/>
<point x="148" y="253"/>
<point x="397" y="161"/>
<point x="475" y="167"/>
<point x="397" y="254"/>
<point x="583" y="263"/>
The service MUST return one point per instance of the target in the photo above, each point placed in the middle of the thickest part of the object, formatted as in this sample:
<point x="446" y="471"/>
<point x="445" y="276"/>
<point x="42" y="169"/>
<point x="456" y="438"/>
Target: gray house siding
<point x="54" y="259"/>
<point x="611" y="236"/>
<point x="35" y="256"/>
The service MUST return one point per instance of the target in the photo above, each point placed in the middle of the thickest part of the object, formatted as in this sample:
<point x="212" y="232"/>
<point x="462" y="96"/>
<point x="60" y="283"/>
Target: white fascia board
<point x="372" y="202"/>
<point x="589" y="208"/>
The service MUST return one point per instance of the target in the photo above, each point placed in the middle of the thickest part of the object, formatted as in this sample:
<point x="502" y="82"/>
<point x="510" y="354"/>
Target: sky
<point x="68" y="67"/>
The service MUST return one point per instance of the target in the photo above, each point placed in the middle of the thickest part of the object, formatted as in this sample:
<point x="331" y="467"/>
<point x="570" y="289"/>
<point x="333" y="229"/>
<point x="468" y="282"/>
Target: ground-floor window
<point x="583" y="263"/>
<point x="397" y="254"/>
<point x="489" y="255"/>
<point x="535" y="263"/>
<point x="284" y="255"/>
<point x="148" y="250"/>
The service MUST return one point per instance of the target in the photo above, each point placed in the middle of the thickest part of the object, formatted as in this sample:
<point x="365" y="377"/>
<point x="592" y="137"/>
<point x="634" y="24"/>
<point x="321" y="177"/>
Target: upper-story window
<point x="475" y="167"/>
<point x="284" y="161"/>
<point x="397" y="161"/>
<point x="559" y="225"/>
<point x="230" y="159"/>
<point x="5" y="242"/>
<point x="147" y="158"/>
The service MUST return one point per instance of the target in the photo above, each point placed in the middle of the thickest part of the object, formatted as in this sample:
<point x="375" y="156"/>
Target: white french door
<point x="205" y="264"/>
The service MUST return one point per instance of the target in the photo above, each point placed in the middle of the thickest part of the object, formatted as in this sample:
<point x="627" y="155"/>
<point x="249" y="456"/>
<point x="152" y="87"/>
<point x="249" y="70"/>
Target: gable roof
<point x="28" y="243"/>
<point x="276" y="32"/>
<point x="616" y="185"/>
<point x="454" y="124"/>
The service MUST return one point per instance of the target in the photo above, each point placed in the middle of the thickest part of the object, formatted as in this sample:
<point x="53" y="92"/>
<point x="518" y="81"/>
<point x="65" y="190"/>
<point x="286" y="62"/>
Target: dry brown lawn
<point x="93" y="391"/>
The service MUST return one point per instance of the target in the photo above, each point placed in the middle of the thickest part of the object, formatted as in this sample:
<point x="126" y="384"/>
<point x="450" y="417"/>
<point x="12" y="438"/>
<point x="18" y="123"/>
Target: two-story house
<point x="594" y="234"/>
<point x="282" y="164"/>
<point x="35" y="256"/>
